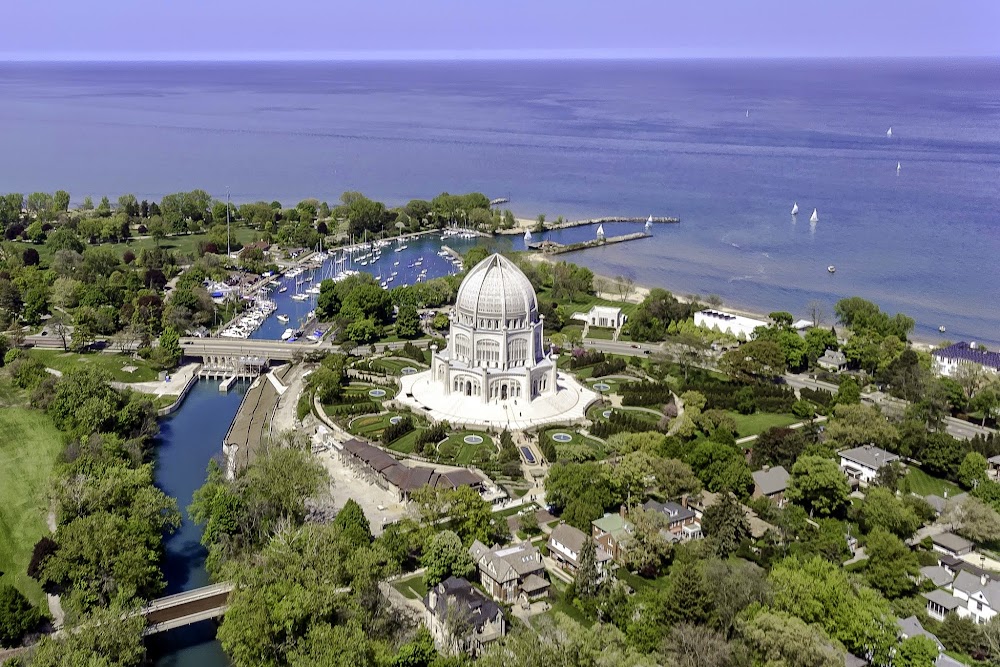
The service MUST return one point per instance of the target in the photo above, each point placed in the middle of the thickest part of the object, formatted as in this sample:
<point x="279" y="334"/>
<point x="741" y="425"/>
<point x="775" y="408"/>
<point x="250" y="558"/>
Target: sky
<point x="481" y="29"/>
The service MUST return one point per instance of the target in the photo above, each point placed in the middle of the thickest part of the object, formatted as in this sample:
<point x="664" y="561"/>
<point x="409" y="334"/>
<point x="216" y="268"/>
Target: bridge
<point x="237" y="356"/>
<point x="175" y="611"/>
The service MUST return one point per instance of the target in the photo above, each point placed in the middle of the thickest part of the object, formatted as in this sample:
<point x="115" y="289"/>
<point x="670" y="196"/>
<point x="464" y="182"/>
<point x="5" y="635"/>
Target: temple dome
<point x="497" y="289"/>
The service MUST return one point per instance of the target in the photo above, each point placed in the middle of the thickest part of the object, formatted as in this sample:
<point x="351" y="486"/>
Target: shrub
<point x="396" y="431"/>
<point x="583" y="358"/>
<point x="411" y="351"/>
<point x="609" y="367"/>
<point x="17" y="616"/>
<point x="303" y="406"/>
<point x="646" y="393"/>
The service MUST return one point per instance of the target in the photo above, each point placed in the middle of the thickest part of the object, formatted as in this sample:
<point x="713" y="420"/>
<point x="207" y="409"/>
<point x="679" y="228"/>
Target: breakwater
<point x="550" y="226"/>
<point x="553" y="248"/>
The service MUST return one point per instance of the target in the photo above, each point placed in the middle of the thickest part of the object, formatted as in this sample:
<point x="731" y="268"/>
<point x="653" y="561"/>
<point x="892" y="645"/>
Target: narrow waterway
<point x="188" y="440"/>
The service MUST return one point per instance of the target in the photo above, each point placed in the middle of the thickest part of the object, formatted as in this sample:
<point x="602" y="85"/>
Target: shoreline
<point x="641" y="291"/>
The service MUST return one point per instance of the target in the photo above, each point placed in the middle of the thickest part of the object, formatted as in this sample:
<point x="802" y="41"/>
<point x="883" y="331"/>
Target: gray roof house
<point x="565" y="543"/>
<point x="832" y="360"/>
<point x="771" y="483"/>
<point x="941" y="603"/>
<point x="951" y="544"/>
<point x="937" y="575"/>
<point x="462" y="618"/>
<point x="510" y="572"/>
<point x="863" y="463"/>
<point x="910" y="627"/>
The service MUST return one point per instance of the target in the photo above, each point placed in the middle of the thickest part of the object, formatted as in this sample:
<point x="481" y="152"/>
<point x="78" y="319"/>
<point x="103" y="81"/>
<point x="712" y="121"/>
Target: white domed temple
<point x="495" y="370"/>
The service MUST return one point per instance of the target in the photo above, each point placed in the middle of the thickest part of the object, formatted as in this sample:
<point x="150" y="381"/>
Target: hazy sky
<point x="284" y="29"/>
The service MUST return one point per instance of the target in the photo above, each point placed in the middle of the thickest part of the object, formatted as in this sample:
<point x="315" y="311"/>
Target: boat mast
<point x="229" y="248"/>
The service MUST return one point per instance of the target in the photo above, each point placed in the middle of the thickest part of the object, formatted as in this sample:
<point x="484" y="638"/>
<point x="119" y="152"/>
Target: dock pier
<point x="553" y="248"/>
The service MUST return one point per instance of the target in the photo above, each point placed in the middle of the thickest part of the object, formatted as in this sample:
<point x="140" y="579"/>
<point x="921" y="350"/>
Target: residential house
<point x="603" y="316"/>
<point x="461" y="618"/>
<point x="863" y="463"/>
<point x="951" y="544"/>
<point x="911" y="627"/>
<point x="728" y="323"/>
<point x="565" y="543"/>
<point x="771" y="483"/>
<point x="948" y="360"/>
<point x="610" y="532"/>
<point x="980" y="596"/>
<point x="758" y="527"/>
<point x="511" y="573"/>
<point x="940" y="503"/>
<point x="941" y="603"/>
<point x="937" y="575"/>
<point x="832" y="360"/>
<point x="683" y="523"/>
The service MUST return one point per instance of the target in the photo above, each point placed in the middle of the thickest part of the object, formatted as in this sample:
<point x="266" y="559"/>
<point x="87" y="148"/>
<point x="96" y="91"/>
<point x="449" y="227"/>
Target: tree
<point x="735" y="585"/>
<point x="587" y="575"/>
<point x="60" y="201"/>
<point x="857" y="425"/>
<point x="881" y="509"/>
<point x="891" y="567"/>
<point x="690" y="645"/>
<point x="407" y="322"/>
<point x="445" y="557"/>
<point x="780" y="639"/>
<point x="726" y="525"/>
<point x="974" y="520"/>
<point x="688" y="599"/>
<point x="972" y="472"/>
<point x="107" y="637"/>
<point x="353" y="524"/>
<point x="818" y="485"/>
<point x="987" y="402"/>
<point x="778" y="447"/>
<point x="170" y="348"/>
<point x="17" y="616"/>
<point x="646" y="550"/>
<point x="918" y="651"/>
<point x="755" y="361"/>
<point x="848" y="393"/>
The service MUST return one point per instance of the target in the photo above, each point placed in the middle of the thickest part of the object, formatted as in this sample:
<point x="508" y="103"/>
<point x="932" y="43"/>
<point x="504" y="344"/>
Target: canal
<point x="188" y="440"/>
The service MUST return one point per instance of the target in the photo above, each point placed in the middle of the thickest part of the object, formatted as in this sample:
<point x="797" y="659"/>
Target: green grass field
<point x="601" y="333"/>
<point x="370" y="426"/>
<point x="407" y="444"/>
<point x="411" y="587"/>
<point x="28" y="451"/>
<point x="579" y="448"/>
<point x="923" y="484"/>
<point x="759" y="422"/>
<point x="112" y="364"/>
<point x="462" y="453"/>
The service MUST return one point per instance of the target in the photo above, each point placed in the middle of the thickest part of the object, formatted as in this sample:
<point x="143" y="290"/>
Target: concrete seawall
<point x="553" y="248"/>
<point x="173" y="407"/>
<point x="661" y="220"/>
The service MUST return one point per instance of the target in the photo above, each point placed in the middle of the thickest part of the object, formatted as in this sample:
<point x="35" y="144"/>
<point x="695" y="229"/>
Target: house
<point x="951" y="544"/>
<point x="941" y="603"/>
<point x="603" y="316"/>
<point x="910" y="627"/>
<point x="940" y="503"/>
<point x="771" y="483"/>
<point x="948" y="360"/>
<point x="565" y="544"/>
<point x="683" y="523"/>
<point x="511" y="573"/>
<point x="727" y="323"/>
<point x="611" y="532"/>
<point x="979" y="596"/>
<point x="937" y="575"/>
<point x="863" y="463"/>
<point x="833" y="360"/>
<point x="758" y="527"/>
<point x="461" y="618"/>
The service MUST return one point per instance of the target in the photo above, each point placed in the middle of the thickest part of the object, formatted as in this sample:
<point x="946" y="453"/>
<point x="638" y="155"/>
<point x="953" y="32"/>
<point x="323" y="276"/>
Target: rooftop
<point x="471" y="605"/>
<point x="943" y="598"/>
<point x="771" y="480"/>
<point x="614" y="524"/>
<point x="970" y="352"/>
<point x="673" y="511"/>
<point x="869" y="456"/>
<point x="911" y="627"/>
<point x="573" y="539"/>
<point x="952" y="542"/>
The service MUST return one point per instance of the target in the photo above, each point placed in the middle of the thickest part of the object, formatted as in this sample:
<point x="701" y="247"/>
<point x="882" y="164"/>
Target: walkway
<point x="175" y="611"/>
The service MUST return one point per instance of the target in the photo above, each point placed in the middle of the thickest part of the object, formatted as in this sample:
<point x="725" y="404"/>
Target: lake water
<point x="188" y="440"/>
<point x="582" y="139"/>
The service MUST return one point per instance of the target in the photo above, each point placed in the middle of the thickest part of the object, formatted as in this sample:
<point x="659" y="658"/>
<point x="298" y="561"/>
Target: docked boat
<point x="288" y="333"/>
<point x="795" y="208"/>
<point x="282" y="318"/>
<point x="815" y="216"/>
<point x="284" y="288"/>
<point x="300" y="297"/>
<point x="831" y="268"/>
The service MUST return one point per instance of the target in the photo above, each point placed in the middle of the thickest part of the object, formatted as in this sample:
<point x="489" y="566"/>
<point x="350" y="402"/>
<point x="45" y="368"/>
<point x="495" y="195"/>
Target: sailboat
<point x="600" y="232"/>
<point x="888" y="133"/>
<point x="795" y="208"/>
<point x="748" y="113"/>
<point x="527" y="235"/>
<point x="899" y="167"/>
<point x="814" y="217"/>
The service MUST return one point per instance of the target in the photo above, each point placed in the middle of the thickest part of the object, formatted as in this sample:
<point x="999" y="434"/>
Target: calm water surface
<point x="582" y="139"/>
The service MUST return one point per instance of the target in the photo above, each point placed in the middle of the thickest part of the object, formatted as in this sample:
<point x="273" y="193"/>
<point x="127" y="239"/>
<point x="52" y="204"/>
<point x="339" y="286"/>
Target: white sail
<point x="649" y="220"/>
<point x="815" y="216"/>
<point x="748" y="113"/>
<point x="527" y="235"/>
<point x="888" y="132"/>
<point x="795" y="208"/>
<point x="899" y="167"/>
<point x="600" y="231"/>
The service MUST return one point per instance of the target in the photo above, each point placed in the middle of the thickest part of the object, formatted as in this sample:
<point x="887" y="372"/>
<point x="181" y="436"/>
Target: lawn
<point x="462" y="453"/>
<point x="561" y="606"/>
<point x="596" y="413"/>
<point x="601" y="333"/>
<point x="28" y="453"/>
<point x="579" y="447"/>
<point x="393" y="366"/>
<point x="406" y="444"/>
<point x="112" y="364"/>
<point x="923" y="484"/>
<point x="759" y="422"/>
<point x="411" y="587"/>
<point x="370" y="426"/>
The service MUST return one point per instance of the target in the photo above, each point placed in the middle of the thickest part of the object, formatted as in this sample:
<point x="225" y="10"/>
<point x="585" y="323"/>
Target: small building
<point x="461" y="618"/>
<point x="833" y="360"/>
<point x="683" y="522"/>
<point x="565" y="544"/>
<point x="951" y="544"/>
<point x="993" y="469"/>
<point x="609" y="317"/>
<point x="727" y="323"/>
<point x="511" y="573"/>
<point x="949" y="359"/>
<point x="771" y="483"/>
<point x="611" y="532"/>
<point x="863" y="463"/>
<point x="941" y="603"/>
<point x="911" y="627"/>
<point x="979" y="596"/>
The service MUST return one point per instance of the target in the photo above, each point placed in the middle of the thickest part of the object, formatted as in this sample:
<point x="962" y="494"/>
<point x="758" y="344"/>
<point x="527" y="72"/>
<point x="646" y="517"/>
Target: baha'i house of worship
<point x="495" y="370"/>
